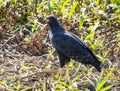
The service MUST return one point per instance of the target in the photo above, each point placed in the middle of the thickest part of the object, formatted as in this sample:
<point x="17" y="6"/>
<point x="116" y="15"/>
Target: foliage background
<point x="28" y="61"/>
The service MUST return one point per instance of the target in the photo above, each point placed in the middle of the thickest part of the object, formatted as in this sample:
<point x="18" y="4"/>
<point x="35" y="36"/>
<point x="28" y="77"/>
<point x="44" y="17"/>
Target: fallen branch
<point x="29" y="75"/>
<point x="12" y="37"/>
<point x="76" y="72"/>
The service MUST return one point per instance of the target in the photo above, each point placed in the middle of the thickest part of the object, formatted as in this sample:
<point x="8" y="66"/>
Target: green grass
<point x="97" y="24"/>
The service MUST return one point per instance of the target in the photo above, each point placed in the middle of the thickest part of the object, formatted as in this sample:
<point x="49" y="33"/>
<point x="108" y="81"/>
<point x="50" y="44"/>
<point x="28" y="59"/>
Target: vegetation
<point x="28" y="61"/>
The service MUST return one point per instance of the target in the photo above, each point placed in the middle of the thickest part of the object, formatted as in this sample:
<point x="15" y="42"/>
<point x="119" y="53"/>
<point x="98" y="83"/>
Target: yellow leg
<point x="61" y="71"/>
<point x="67" y="71"/>
<point x="66" y="74"/>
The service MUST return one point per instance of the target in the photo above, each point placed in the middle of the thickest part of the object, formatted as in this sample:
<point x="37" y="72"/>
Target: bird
<point x="69" y="46"/>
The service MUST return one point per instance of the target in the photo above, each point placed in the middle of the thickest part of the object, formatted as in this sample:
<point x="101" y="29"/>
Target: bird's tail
<point x="97" y="65"/>
<point x="98" y="68"/>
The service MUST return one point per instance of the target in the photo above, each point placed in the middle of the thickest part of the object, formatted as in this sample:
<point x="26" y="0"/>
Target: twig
<point x="8" y="40"/>
<point x="19" y="44"/>
<point x="76" y="72"/>
<point x="29" y="75"/>
<point x="19" y="28"/>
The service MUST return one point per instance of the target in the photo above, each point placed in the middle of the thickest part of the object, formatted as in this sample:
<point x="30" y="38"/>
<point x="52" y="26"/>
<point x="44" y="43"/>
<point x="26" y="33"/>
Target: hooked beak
<point x="46" y="21"/>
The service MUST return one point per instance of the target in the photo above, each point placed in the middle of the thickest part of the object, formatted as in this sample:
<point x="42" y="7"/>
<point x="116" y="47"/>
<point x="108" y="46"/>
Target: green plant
<point x="103" y="81"/>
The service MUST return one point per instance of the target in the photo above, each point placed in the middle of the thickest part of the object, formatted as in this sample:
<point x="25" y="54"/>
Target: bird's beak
<point x="47" y="21"/>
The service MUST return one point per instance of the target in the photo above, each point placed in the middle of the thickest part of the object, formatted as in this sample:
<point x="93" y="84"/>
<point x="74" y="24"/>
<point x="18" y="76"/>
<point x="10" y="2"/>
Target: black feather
<point x="69" y="46"/>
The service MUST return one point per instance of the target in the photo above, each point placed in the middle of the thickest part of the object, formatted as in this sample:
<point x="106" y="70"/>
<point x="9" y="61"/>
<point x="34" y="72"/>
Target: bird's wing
<point x="84" y="45"/>
<point x="70" y="45"/>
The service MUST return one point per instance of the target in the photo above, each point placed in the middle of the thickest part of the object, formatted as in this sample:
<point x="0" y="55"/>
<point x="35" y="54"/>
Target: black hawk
<point x="69" y="46"/>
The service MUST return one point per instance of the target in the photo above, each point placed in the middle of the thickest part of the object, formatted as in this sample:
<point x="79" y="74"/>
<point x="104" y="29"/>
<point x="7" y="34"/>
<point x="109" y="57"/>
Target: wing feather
<point x="70" y="45"/>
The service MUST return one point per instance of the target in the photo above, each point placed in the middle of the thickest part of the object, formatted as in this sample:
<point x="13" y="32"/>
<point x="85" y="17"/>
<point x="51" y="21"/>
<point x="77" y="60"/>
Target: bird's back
<point x="71" y="46"/>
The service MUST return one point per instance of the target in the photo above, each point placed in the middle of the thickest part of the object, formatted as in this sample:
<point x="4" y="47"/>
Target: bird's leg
<point x="67" y="71"/>
<point x="66" y="74"/>
<point x="61" y="71"/>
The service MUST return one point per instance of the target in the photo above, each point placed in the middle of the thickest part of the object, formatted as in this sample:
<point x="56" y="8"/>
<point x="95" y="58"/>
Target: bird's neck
<point x="56" y="27"/>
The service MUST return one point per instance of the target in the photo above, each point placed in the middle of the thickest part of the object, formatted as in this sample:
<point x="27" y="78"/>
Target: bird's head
<point x="51" y="20"/>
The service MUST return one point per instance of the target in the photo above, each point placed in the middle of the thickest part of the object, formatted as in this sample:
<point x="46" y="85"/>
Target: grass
<point x="94" y="21"/>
